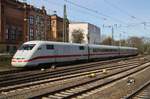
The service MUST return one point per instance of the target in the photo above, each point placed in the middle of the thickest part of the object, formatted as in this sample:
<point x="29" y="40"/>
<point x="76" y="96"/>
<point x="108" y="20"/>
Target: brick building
<point x="20" y="22"/>
<point x="57" y="28"/>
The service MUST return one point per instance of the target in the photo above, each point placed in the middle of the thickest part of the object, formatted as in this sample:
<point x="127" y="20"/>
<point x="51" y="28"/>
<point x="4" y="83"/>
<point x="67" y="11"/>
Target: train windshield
<point x="27" y="47"/>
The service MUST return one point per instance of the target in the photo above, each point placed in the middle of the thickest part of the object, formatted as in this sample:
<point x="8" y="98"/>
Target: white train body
<point x="34" y="53"/>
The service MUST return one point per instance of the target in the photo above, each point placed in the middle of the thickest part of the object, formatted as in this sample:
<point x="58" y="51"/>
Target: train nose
<point x="18" y="62"/>
<point x="20" y="59"/>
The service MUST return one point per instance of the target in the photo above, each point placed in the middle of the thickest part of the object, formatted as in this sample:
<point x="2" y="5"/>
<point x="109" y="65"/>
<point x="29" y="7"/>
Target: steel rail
<point x="94" y="79"/>
<point x="47" y="74"/>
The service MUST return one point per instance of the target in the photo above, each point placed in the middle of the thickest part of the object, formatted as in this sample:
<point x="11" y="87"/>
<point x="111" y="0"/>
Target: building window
<point x="7" y="48"/>
<point x="31" y="20"/>
<point x="48" y="24"/>
<point x="31" y="35"/>
<point x="60" y="34"/>
<point x="54" y="23"/>
<point x="19" y="33"/>
<point x="7" y="32"/>
<point x="10" y="33"/>
<point x="13" y="33"/>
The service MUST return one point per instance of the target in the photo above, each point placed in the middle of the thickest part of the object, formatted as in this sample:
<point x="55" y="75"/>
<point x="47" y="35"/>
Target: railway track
<point x="30" y="76"/>
<point x="20" y="70"/>
<point x="74" y="81"/>
<point x="14" y="72"/>
<point x="78" y="90"/>
<point x="63" y="76"/>
<point x="142" y="92"/>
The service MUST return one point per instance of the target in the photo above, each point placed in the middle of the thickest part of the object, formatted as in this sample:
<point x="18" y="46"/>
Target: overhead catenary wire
<point x="98" y="15"/>
<point x="94" y="11"/>
<point x="128" y="14"/>
<point x="103" y="16"/>
<point x="121" y="10"/>
<point x="108" y="16"/>
<point x="77" y="10"/>
<point x="88" y="14"/>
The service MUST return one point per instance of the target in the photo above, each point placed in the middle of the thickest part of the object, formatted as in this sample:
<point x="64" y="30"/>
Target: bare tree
<point x="146" y="45"/>
<point x="120" y="43"/>
<point x="136" y="42"/>
<point x="77" y="36"/>
<point x="107" y="41"/>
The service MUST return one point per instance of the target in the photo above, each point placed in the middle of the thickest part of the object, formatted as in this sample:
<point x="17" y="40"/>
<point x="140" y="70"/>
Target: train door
<point x="66" y="52"/>
<point x="55" y="54"/>
<point x="50" y="53"/>
<point x="59" y="53"/>
<point x="88" y="52"/>
<point x="82" y="52"/>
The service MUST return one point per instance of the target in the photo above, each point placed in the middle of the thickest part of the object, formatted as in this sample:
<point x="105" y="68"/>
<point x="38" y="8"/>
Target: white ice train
<point x="34" y="53"/>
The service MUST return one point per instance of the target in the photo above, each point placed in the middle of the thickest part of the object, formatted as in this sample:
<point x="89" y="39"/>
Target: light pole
<point x="25" y="20"/>
<point x="112" y="31"/>
<point x="120" y="40"/>
<point x="124" y="39"/>
<point x="64" y="25"/>
<point x="88" y="37"/>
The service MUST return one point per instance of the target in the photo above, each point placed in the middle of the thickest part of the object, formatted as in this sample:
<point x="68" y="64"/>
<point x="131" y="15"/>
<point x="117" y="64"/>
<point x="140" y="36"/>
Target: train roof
<point x="91" y="45"/>
<point x="113" y="47"/>
<point x="52" y="42"/>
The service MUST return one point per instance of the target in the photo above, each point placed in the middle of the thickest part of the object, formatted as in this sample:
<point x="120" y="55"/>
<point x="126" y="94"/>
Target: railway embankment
<point x="113" y="79"/>
<point x="122" y="88"/>
<point x="5" y="62"/>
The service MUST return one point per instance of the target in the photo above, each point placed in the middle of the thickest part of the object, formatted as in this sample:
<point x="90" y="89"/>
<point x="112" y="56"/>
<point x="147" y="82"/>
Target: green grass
<point x="5" y="61"/>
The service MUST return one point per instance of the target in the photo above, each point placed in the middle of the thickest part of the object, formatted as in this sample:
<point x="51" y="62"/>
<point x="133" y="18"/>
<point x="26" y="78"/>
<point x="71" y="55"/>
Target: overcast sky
<point x="129" y="15"/>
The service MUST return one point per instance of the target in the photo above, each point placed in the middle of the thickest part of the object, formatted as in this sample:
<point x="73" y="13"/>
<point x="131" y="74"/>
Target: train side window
<point x="49" y="47"/>
<point x="39" y="48"/>
<point x="81" y="47"/>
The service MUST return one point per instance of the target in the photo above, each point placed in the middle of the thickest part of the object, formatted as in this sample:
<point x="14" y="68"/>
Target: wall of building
<point x="13" y="25"/>
<point x="88" y="30"/>
<point x="21" y="22"/>
<point x="53" y="27"/>
<point x="57" y="28"/>
<point x="94" y="34"/>
<point x="0" y="19"/>
<point x="38" y="26"/>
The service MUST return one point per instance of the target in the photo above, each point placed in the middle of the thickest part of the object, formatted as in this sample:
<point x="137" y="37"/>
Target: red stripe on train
<point x="63" y="56"/>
